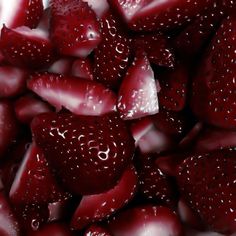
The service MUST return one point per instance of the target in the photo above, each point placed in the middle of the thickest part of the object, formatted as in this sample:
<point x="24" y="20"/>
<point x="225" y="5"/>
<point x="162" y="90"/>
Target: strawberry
<point x="93" y="208"/>
<point x="213" y="96"/>
<point x="74" y="27"/>
<point x="28" y="48"/>
<point x="97" y="230"/>
<point x="82" y="68"/>
<point x="80" y="96"/>
<point x="12" y="81"/>
<point x="111" y="57"/>
<point x="22" y="12"/>
<point x="33" y="182"/>
<point x="88" y="152"/>
<point x="152" y="15"/>
<point x="207" y="182"/>
<point x="137" y="94"/>
<point x="146" y="220"/>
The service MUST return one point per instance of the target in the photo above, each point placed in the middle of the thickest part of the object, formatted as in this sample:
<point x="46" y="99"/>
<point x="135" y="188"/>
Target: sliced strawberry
<point x="27" y="107"/>
<point x="12" y="81"/>
<point x="8" y="223"/>
<point x="82" y="68"/>
<point x="61" y="66"/>
<point x="111" y="57"/>
<point x="207" y="182"/>
<point x="80" y="96"/>
<point x="152" y="15"/>
<point x="173" y="92"/>
<point x="99" y="7"/>
<point x="74" y="27"/>
<point x="88" y="153"/>
<point x="157" y="48"/>
<point x="213" y="96"/>
<point x="22" y="12"/>
<point x="93" y="208"/>
<point x="26" y="48"/>
<point x="137" y="94"/>
<point x="97" y="230"/>
<point x="146" y="220"/>
<point x="34" y="182"/>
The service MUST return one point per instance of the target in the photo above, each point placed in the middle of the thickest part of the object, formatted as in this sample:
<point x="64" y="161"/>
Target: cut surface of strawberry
<point x="82" y="68"/>
<point x="91" y="152"/>
<point x="93" y="208"/>
<point x="80" y="96"/>
<point x="61" y="66"/>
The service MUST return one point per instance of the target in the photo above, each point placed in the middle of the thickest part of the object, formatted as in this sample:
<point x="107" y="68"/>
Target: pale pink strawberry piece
<point x="74" y="28"/>
<point x="93" y="208"/>
<point x="152" y="15"/>
<point x="61" y="66"/>
<point x="80" y="96"/>
<point x="99" y="7"/>
<point x="137" y="94"/>
<point x="22" y="12"/>
<point x="82" y="68"/>
<point x="146" y="220"/>
<point x="27" y="107"/>
<point x="12" y="81"/>
<point x="28" y="48"/>
<point x="97" y="230"/>
<point x="34" y="183"/>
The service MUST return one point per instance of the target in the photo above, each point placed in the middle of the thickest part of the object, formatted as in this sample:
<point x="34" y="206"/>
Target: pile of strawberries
<point x="117" y="117"/>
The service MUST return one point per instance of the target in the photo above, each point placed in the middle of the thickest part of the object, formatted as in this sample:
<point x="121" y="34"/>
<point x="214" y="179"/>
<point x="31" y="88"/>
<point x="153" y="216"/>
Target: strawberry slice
<point x="12" y="81"/>
<point x="89" y="153"/>
<point x="80" y="96"/>
<point x="97" y="230"/>
<point x="82" y="68"/>
<point x="22" y="12"/>
<point x="213" y="96"/>
<point x="152" y="15"/>
<point x="74" y="27"/>
<point x="146" y="220"/>
<point x="93" y="208"/>
<point x="28" y="48"/>
<point x="33" y="182"/>
<point x="207" y="182"/>
<point x="138" y="94"/>
<point x="111" y="57"/>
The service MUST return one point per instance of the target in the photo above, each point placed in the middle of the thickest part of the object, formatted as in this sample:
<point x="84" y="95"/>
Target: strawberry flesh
<point x="82" y="68"/>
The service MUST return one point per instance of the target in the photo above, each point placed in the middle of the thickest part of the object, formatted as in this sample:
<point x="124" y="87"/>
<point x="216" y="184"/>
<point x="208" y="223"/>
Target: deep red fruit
<point x="74" y="27"/>
<point x="82" y="68"/>
<point x="111" y="57"/>
<point x="138" y="94"/>
<point x="146" y="220"/>
<point x="80" y="96"/>
<point x="97" y="230"/>
<point x="88" y="153"/>
<point x="207" y="182"/>
<point x="61" y="66"/>
<point x="28" y="48"/>
<point x="213" y="96"/>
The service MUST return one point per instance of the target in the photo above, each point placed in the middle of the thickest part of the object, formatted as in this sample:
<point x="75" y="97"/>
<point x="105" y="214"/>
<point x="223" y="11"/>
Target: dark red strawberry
<point x="157" y="48"/>
<point x="213" y="96"/>
<point x="173" y="88"/>
<point x="93" y="208"/>
<point x="12" y="81"/>
<point x="22" y="12"/>
<point x="34" y="183"/>
<point x="207" y="182"/>
<point x="146" y="220"/>
<point x="138" y="94"/>
<point x="61" y="66"/>
<point x="8" y="223"/>
<point x="26" y="48"/>
<point x="111" y="57"/>
<point x="152" y="15"/>
<point x="74" y="27"/>
<point x="82" y="68"/>
<point x="27" y="107"/>
<point x="97" y="230"/>
<point x="89" y="153"/>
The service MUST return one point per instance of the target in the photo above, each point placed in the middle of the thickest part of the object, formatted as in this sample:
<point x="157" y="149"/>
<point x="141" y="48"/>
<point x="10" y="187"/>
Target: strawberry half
<point x="93" y="208"/>
<point x="28" y="48"/>
<point x="80" y="96"/>
<point x="138" y="94"/>
<point x="89" y="153"/>
<point x="74" y="27"/>
<point x="207" y="182"/>
<point x="213" y="96"/>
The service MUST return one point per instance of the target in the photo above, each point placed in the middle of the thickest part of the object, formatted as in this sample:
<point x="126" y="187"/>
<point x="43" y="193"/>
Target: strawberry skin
<point x="88" y="153"/>
<point x="74" y="27"/>
<point x="207" y="182"/>
<point x="97" y="230"/>
<point x="213" y="96"/>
